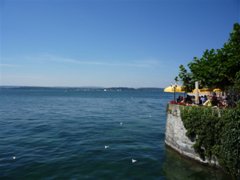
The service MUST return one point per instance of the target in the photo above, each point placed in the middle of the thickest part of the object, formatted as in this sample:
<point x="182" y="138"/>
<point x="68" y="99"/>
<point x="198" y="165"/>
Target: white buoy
<point x="133" y="160"/>
<point x="121" y="123"/>
<point x="14" y="157"/>
<point x="106" y="147"/>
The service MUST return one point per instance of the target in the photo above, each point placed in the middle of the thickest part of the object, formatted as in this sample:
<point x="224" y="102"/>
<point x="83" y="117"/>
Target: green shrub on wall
<point x="229" y="148"/>
<point x="216" y="133"/>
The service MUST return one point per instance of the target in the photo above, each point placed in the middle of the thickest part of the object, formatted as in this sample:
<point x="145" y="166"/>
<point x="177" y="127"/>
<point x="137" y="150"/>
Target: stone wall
<point x="175" y="136"/>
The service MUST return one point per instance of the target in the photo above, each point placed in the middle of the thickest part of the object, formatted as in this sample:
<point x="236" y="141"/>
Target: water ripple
<point x="62" y="134"/>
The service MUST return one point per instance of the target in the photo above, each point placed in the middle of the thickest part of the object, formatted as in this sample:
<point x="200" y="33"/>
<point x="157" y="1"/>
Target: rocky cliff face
<point x="176" y="138"/>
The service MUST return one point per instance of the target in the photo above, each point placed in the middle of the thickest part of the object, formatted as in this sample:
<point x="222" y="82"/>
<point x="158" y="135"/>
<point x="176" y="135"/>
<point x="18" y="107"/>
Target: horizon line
<point x="93" y="87"/>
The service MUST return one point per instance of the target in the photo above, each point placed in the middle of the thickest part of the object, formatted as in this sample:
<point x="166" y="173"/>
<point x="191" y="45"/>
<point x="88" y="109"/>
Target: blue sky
<point x="134" y="43"/>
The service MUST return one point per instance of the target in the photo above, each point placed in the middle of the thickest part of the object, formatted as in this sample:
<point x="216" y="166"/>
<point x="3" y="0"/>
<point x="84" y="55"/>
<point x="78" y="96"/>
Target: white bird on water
<point x="106" y="147"/>
<point x="121" y="123"/>
<point x="133" y="160"/>
<point x="14" y="157"/>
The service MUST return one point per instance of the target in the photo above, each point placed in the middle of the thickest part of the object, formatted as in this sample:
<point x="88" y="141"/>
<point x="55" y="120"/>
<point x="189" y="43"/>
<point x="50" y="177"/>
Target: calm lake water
<point x="72" y="133"/>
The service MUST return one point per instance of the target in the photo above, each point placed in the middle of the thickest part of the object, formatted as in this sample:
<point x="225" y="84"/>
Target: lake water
<point x="73" y="133"/>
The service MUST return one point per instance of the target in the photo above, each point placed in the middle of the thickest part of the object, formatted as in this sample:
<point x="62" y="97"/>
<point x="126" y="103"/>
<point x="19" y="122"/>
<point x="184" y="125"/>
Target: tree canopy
<point x="217" y="68"/>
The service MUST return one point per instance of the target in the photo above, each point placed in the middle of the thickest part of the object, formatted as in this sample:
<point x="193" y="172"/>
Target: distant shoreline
<point x="83" y="87"/>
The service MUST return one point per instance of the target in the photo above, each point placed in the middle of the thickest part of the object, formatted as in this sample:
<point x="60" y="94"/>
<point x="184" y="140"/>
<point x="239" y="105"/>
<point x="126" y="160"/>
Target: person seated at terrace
<point x="203" y="99"/>
<point x="188" y="99"/>
<point x="200" y="100"/>
<point x="214" y="100"/>
<point x="179" y="99"/>
<point x="208" y="102"/>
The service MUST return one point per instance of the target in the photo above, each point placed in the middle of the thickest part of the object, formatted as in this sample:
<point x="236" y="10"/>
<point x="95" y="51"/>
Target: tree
<point x="218" y="68"/>
<point x="186" y="78"/>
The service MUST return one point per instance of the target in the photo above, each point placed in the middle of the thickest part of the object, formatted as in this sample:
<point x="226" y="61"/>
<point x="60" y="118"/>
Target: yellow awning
<point x="217" y="90"/>
<point x="203" y="90"/>
<point x="174" y="88"/>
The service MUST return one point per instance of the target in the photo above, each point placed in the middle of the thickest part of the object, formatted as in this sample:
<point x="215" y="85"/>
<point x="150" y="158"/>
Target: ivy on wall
<point x="216" y="133"/>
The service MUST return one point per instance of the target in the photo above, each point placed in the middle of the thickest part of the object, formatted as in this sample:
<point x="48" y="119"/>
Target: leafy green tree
<point x="209" y="70"/>
<point x="216" y="68"/>
<point x="186" y="78"/>
<point x="231" y="53"/>
<point x="237" y="82"/>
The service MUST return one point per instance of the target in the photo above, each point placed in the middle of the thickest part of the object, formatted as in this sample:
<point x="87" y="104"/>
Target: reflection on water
<point x="178" y="167"/>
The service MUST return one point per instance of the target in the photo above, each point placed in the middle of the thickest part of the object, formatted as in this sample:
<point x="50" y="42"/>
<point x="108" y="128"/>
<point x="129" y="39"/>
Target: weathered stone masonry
<point x="175" y="136"/>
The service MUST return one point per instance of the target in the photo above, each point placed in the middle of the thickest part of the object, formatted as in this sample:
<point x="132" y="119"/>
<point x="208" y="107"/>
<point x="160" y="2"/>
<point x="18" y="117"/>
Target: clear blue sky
<point x="134" y="43"/>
